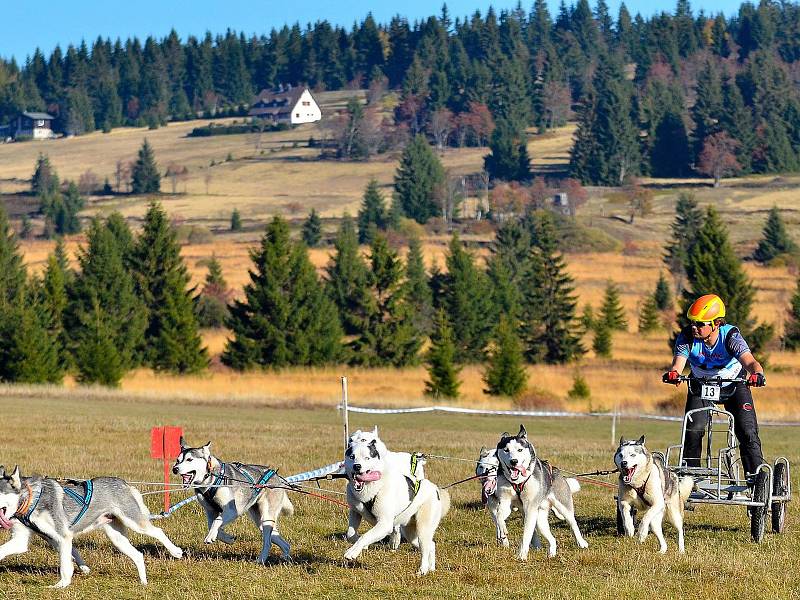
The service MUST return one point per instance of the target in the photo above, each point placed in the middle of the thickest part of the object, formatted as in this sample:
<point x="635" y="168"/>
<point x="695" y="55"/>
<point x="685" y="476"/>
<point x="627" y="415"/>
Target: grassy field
<point x="81" y="435"/>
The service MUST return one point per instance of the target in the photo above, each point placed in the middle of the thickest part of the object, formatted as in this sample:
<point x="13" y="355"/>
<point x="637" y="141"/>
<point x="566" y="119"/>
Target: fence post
<point x="345" y="413"/>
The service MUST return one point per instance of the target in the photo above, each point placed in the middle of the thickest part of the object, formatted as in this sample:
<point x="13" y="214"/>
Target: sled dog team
<point x="386" y="489"/>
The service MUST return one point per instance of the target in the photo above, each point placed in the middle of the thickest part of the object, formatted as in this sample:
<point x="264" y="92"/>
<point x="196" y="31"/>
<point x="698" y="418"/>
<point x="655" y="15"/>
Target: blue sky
<point x="67" y="22"/>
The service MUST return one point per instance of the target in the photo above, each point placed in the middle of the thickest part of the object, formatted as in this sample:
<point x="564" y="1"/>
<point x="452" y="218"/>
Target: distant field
<point x="79" y="435"/>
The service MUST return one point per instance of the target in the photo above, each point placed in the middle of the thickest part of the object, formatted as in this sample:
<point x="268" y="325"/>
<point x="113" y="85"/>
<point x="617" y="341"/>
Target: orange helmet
<point x="706" y="308"/>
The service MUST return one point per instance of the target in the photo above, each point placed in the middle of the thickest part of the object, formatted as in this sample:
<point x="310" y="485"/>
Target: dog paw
<point x="662" y="550"/>
<point x="583" y="544"/>
<point x="60" y="585"/>
<point x="351" y="554"/>
<point x="85" y="569"/>
<point x="523" y="556"/>
<point x="226" y="538"/>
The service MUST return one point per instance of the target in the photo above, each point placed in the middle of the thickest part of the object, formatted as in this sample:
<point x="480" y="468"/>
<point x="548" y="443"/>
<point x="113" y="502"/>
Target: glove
<point x="672" y="377"/>
<point x="757" y="380"/>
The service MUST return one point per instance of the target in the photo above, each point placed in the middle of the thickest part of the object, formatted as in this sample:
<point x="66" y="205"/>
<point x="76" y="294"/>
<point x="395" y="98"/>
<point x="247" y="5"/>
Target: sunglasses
<point x="701" y="324"/>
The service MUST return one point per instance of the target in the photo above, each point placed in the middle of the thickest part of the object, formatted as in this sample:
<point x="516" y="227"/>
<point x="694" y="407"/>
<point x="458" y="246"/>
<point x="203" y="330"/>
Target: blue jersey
<point x="719" y="360"/>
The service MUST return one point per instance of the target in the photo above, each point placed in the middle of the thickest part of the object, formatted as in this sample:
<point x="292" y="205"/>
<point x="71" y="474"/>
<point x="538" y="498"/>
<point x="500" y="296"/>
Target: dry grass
<point x="82" y="435"/>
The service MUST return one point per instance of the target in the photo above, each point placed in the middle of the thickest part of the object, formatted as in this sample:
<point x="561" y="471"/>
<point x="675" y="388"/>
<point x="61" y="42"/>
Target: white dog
<point x="412" y="464"/>
<point x="388" y="498"/>
<point x="525" y="481"/>
<point x="647" y="485"/>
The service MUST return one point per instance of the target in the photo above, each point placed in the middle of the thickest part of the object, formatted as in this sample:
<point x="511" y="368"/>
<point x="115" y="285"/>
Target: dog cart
<point x="720" y="478"/>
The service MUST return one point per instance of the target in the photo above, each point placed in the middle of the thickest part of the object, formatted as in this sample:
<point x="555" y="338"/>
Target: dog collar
<point x="25" y="511"/>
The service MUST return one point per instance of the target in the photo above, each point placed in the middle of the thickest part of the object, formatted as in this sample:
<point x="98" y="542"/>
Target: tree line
<point x="661" y="95"/>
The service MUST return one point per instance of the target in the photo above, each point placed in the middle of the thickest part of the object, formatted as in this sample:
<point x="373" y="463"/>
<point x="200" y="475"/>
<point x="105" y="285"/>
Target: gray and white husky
<point x="525" y="481"/>
<point x="645" y="484"/>
<point x="388" y="498"/>
<point x="486" y="470"/>
<point x="59" y="510"/>
<point x="408" y="463"/>
<point x="228" y="490"/>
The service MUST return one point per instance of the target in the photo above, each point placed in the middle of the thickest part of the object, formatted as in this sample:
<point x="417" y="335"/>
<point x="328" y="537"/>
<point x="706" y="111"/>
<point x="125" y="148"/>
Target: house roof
<point x="270" y="99"/>
<point x="272" y="111"/>
<point x="38" y="115"/>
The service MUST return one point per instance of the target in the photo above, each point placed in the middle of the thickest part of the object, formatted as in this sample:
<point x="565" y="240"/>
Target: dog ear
<point x="2" y="471"/>
<point x="375" y="431"/>
<point x="640" y="441"/>
<point x="207" y="449"/>
<point x="621" y="440"/>
<point x="522" y="433"/>
<point x="182" y="442"/>
<point x="15" y="479"/>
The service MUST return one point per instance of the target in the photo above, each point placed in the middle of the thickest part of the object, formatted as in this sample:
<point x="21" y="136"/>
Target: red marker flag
<point x="165" y="443"/>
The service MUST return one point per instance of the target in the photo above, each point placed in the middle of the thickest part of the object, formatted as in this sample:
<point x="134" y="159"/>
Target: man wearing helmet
<point x="715" y="349"/>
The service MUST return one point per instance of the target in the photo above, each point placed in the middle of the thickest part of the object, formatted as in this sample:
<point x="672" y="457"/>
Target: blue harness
<point x="257" y="486"/>
<point x="88" y="490"/>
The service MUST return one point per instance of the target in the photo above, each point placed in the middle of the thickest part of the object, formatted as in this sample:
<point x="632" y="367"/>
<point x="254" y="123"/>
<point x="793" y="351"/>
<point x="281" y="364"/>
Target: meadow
<point x="82" y="434"/>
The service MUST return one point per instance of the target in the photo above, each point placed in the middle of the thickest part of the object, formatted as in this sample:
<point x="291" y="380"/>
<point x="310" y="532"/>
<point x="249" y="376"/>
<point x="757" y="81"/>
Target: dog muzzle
<point x="4" y="522"/>
<point x="489" y="486"/>
<point x="361" y="479"/>
<point x="627" y="474"/>
<point x="188" y="478"/>
<point x="517" y="473"/>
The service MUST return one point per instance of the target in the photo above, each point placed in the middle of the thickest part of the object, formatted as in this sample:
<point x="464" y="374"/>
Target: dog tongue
<point x="368" y="476"/>
<point x="4" y="523"/>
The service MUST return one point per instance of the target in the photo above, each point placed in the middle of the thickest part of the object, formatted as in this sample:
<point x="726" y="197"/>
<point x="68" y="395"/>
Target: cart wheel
<point x="780" y="486"/>
<point x="758" y="514"/>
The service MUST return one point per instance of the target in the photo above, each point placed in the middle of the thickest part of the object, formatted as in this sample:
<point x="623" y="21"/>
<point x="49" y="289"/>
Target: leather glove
<point x="672" y="377"/>
<point x="757" y="380"/>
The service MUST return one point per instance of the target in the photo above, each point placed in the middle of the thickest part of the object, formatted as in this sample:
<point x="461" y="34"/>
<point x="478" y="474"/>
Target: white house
<point x="293" y="106"/>
<point x="35" y="125"/>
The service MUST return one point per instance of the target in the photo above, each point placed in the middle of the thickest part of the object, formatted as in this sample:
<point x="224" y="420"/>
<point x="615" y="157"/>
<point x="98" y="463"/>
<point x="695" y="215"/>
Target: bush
<point x="538" y="399"/>
<point x="211" y="311"/>
<point x="580" y="388"/>
<point x="193" y="234"/>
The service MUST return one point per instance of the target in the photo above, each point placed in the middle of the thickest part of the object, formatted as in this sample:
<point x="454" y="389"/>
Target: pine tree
<point x="386" y="336"/>
<point x="688" y="220"/>
<point x="791" y="328"/>
<point x="466" y="296"/>
<point x="45" y="179"/>
<point x="508" y="160"/>
<point x="419" y="180"/>
<point x="663" y="293"/>
<point x="54" y="299"/>
<point x="312" y="229"/>
<point x="172" y="339"/>
<point x="670" y="153"/>
<point x="505" y="374"/>
<point x="212" y="304"/>
<point x="601" y="343"/>
<point x="122" y="234"/>
<point x="775" y="239"/>
<point x="145" y="178"/>
<point x="548" y="304"/>
<point x="35" y="354"/>
<point x="285" y="317"/>
<point x="708" y="108"/>
<point x="347" y="276"/>
<point x="442" y="370"/>
<point x="611" y="313"/>
<point x="648" y="315"/>
<point x="420" y="297"/>
<point x="12" y="288"/>
<point x="372" y="214"/>
<point x="713" y="268"/>
<point x="236" y="220"/>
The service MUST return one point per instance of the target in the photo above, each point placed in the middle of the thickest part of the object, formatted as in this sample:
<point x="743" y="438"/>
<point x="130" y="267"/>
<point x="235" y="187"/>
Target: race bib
<point x="710" y="392"/>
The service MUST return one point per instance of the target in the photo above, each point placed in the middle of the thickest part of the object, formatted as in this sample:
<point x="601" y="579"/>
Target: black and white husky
<point x="525" y="481"/>
<point x="645" y="484"/>
<point x="58" y="511"/>
<point x="388" y="498"/>
<point x="228" y="490"/>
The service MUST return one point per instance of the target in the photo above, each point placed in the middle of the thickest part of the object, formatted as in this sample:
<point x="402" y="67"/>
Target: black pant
<point x="738" y="402"/>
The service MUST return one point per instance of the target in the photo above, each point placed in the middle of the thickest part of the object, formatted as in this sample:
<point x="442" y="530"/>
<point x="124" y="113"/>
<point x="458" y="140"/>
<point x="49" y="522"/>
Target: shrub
<point x="538" y="399"/>
<point x="580" y="388"/>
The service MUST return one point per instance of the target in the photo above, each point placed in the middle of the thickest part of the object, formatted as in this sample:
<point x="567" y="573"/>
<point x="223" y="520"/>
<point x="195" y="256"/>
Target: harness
<point x="413" y="490"/>
<point x="88" y="491"/>
<point x="640" y="490"/>
<point x="548" y="469"/>
<point x="257" y="486"/>
<point x="25" y="511"/>
<point x="414" y="463"/>
<point x="219" y="479"/>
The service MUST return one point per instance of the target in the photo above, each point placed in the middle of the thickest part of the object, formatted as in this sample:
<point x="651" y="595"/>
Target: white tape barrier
<point x="528" y="413"/>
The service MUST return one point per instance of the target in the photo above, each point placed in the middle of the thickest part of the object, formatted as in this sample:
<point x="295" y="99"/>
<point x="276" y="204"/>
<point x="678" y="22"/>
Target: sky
<point x="67" y="22"/>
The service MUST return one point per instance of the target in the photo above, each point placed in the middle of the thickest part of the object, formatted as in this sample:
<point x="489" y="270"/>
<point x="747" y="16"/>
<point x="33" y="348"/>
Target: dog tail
<point x="444" y="498"/>
<point x="287" y="508"/>
<point x="685" y="487"/>
<point x="574" y="485"/>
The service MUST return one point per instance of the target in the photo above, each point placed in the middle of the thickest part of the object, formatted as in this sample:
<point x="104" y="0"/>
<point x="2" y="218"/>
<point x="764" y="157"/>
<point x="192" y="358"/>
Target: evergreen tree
<point x="212" y="303"/>
<point x="312" y="229"/>
<point x="708" y="108"/>
<point x="35" y="354"/>
<point x="548" y="304"/>
<point x="97" y="357"/>
<point x="419" y="295"/>
<point x="737" y="121"/>
<point x="648" y="315"/>
<point x="54" y="299"/>
<point x="670" y="154"/>
<point x="611" y="313"/>
<point x="509" y="158"/>
<point x="505" y="374"/>
<point x="663" y="293"/>
<point x="61" y="210"/>
<point x="172" y="339"/>
<point x="467" y="297"/>
<point x="775" y="239"/>
<point x="419" y="180"/>
<point x="12" y="290"/>
<point x="45" y="179"/>
<point x="386" y="336"/>
<point x="347" y="276"/>
<point x="285" y="317"/>
<point x="372" y="215"/>
<point x="713" y="268"/>
<point x="145" y="178"/>
<point x="119" y="229"/>
<point x="442" y="370"/>
<point x="791" y="328"/>
<point x="688" y="220"/>
<point x="601" y="343"/>
<point x="236" y="220"/>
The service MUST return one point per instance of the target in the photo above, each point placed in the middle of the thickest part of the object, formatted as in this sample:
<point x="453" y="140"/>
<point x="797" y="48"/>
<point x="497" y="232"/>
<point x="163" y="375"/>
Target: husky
<point x="388" y="499"/>
<point x="228" y="490"/>
<point x="486" y="470"/>
<point x="60" y="510"/>
<point x="407" y="463"/>
<point x="645" y="484"/>
<point x="525" y="481"/>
